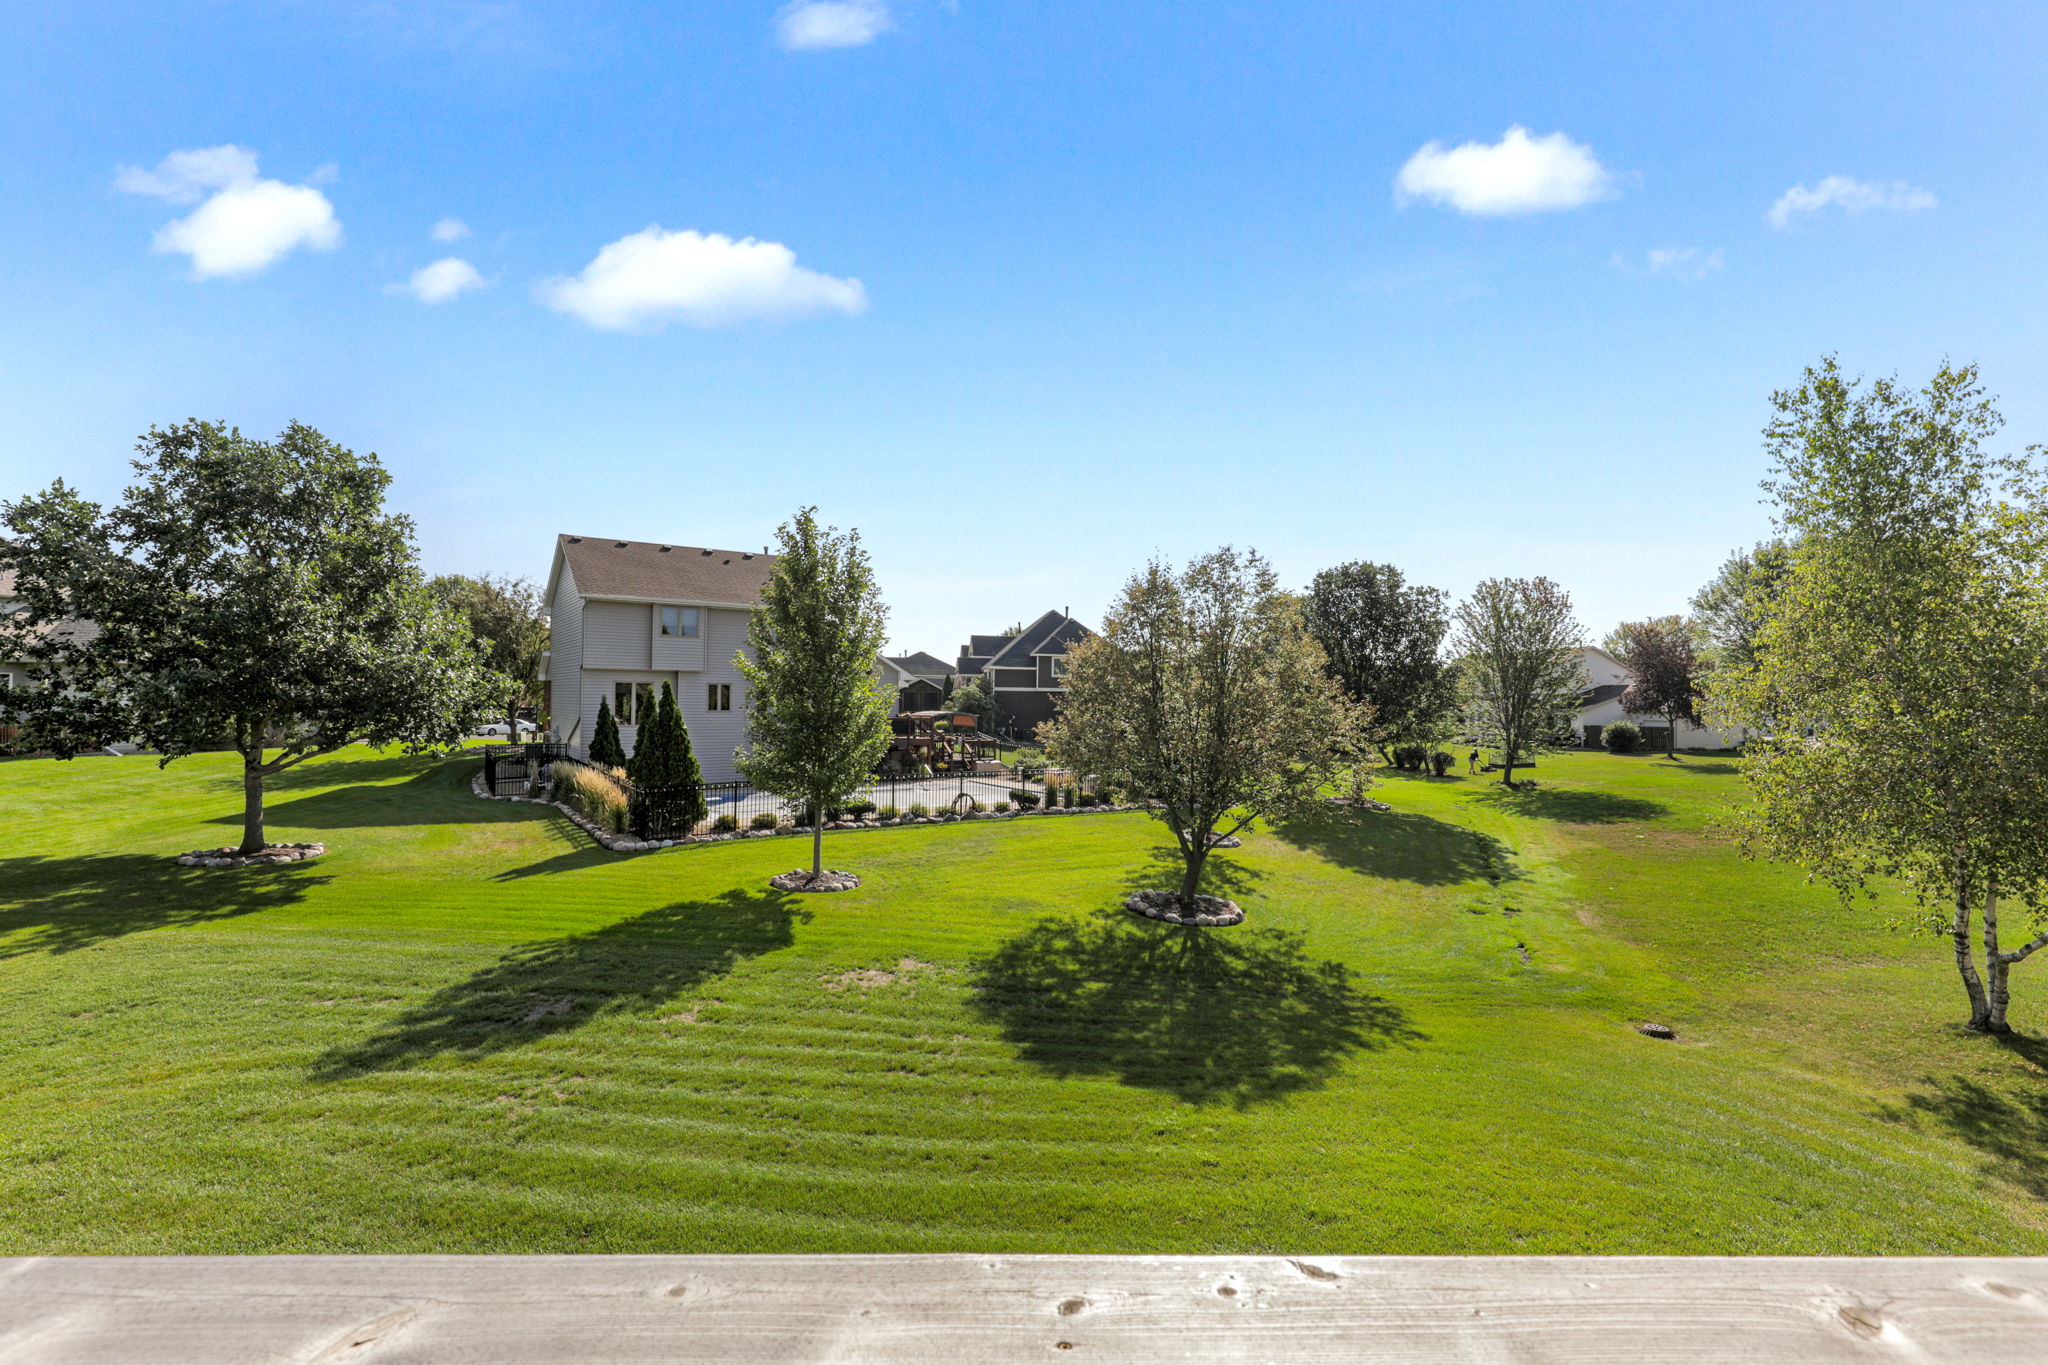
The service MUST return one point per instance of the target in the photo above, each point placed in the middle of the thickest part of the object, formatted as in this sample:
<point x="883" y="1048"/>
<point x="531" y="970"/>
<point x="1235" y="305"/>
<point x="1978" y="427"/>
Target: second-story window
<point x="679" y="622"/>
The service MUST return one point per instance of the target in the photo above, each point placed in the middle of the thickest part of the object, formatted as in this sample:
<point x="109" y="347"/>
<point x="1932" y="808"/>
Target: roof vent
<point x="618" y="545"/>
<point x="743" y="556"/>
<point x="703" y="552"/>
<point x="664" y="549"/>
<point x="575" y="540"/>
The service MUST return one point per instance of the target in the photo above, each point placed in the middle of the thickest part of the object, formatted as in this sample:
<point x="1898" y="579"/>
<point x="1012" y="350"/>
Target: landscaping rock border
<point x="1224" y="840"/>
<point x="831" y="879"/>
<point x="626" y="843"/>
<point x="1208" y="912"/>
<point x="273" y="855"/>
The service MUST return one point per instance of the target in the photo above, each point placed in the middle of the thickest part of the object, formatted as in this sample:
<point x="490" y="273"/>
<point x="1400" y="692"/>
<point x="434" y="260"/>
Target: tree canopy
<point x="508" y="620"/>
<point x="1731" y="610"/>
<point x="1516" y="641"/>
<point x="1663" y="653"/>
<point x="1900" y="684"/>
<point x="246" y="593"/>
<point x="1384" y="640"/>
<point x="816" y="718"/>
<point x="1206" y="693"/>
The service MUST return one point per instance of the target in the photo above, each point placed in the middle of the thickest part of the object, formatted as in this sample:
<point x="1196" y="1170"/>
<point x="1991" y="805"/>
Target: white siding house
<point x="627" y="616"/>
<point x="1600" y="706"/>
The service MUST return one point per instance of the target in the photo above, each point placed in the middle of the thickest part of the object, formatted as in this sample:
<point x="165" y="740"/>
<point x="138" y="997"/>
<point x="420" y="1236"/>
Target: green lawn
<point x="467" y="1030"/>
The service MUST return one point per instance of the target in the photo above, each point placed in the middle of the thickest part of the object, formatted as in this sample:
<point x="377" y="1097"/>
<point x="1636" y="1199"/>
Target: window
<point x="1059" y="665"/>
<point x="719" y="698"/>
<point x="632" y="703"/>
<point x="680" y="622"/>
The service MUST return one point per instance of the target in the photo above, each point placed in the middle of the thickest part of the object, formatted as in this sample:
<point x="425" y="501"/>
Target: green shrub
<point x="1622" y="737"/>
<point x="1089" y="799"/>
<point x="888" y="813"/>
<point x="1002" y="807"/>
<point x="1442" y="761"/>
<point x="860" y="810"/>
<point x="1025" y="799"/>
<point x="918" y="810"/>
<point x="767" y="819"/>
<point x="725" y="824"/>
<point x="1067" y="796"/>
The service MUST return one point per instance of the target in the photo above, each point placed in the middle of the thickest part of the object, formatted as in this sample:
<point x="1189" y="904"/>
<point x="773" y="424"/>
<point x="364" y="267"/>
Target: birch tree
<point x="1901" y="682"/>
<point x="1205" y="691"/>
<point x="1516" y="640"/>
<point x="816" y="718"/>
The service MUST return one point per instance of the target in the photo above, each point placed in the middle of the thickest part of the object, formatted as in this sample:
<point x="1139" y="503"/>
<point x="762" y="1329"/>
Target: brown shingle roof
<point x="603" y="567"/>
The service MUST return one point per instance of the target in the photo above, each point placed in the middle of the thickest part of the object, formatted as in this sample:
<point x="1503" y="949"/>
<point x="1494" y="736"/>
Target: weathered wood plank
<point x="606" y="1309"/>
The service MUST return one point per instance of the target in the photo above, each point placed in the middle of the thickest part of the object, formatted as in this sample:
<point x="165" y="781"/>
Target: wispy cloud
<point x="813" y="25"/>
<point x="450" y="230"/>
<point x="1671" y="262"/>
<point x="645" y="281"/>
<point x="1850" y="196"/>
<point x="446" y="279"/>
<point x="1518" y="174"/>
<point x="244" y="224"/>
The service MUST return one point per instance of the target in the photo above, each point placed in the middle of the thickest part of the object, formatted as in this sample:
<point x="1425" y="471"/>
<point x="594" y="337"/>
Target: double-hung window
<point x="719" y="698"/>
<point x="679" y="622"/>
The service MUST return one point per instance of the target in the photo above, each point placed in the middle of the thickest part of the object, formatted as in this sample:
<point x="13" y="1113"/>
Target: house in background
<point x="917" y="680"/>
<point x="15" y="672"/>
<point x="1024" y="670"/>
<point x="626" y="616"/>
<point x="1600" y="706"/>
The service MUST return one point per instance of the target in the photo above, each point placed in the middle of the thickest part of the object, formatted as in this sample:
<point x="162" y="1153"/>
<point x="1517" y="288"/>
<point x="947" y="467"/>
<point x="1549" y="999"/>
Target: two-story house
<point x="626" y="616"/>
<point x="1024" y="670"/>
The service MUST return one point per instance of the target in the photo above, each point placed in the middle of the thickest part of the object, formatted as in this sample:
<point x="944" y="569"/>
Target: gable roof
<point x="648" y="571"/>
<point x="920" y="665"/>
<point x="1049" y="634"/>
<point x="1593" y="696"/>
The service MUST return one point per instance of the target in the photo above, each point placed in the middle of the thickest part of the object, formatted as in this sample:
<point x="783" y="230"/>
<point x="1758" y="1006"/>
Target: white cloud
<point x="1849" y="195"/>
<point x="450" y="230"/>
<point x="245" y="224"/>
<point x="1519" y="174"/>
<point x="1672" y="262"/>
<point x="645" y="281"/>
<point x="445" y="279"/>
<point x="810" y="25"/>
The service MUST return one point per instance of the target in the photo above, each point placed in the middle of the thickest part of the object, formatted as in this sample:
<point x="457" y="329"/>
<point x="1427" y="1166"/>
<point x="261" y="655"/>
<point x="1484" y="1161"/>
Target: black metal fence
<point x="513" y="769"/>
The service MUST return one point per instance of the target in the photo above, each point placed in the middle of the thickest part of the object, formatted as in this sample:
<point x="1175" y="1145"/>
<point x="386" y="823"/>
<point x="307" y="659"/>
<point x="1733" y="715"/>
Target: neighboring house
<point x="917" y="680"/>
<point x="629" y="615"/>
<point x="1024" y="670"/>
<point x="14" y="672"/>
<point x="1600" y="706"/>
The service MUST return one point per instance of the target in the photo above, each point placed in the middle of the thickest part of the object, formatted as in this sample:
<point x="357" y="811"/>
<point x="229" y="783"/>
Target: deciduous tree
<point x="816" y="718"/>
<point x="508" y="620"/>
<point x="1384" y="638"/>
<point x="1901" y="682"/>
<point x="1206" y="692"/>
<point x="246" y="591"/>
<point x="1516" y="640"/>
<point x="1663" y="653"/>
<point x="1731" y="610"/>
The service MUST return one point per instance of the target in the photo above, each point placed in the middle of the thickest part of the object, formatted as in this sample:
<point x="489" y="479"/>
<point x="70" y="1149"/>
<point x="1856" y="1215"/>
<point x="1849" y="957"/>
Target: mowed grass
<point x="468" y="1030"/>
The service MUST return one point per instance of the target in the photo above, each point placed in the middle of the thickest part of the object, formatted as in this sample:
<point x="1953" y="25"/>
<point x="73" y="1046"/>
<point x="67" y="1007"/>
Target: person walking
<point x="1472" y="762"/>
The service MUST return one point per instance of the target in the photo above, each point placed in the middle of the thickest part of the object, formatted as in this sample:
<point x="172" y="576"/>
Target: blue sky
<point x="1025" y="292"/>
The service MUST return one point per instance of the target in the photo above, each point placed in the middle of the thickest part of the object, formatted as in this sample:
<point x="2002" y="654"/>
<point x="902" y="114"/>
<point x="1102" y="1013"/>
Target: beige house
<point x="627" y="616"/>
<point x="1600" y="706"/>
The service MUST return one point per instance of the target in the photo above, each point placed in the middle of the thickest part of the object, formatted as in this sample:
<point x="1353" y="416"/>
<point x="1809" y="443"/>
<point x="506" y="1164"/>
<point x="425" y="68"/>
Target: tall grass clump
<point x="598" y="796"/>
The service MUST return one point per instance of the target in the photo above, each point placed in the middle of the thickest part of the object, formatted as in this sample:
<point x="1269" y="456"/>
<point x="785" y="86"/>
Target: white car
<point x="497" y="728"/>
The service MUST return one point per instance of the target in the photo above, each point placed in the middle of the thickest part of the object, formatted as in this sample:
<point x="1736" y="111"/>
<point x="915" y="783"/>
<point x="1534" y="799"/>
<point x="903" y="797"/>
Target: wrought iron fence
<point x="514" y="769"/>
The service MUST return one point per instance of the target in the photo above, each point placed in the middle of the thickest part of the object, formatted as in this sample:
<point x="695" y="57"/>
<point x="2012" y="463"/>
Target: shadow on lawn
<point x="2009" y="1126"/>
<point x="439" y="795"/>
<point x="563" y="984"/>
<point x="1207" y="1015"/>
<point x="1573" y="807"/>
<point x="64" y="904"/>
<point x="1403" y="846"/>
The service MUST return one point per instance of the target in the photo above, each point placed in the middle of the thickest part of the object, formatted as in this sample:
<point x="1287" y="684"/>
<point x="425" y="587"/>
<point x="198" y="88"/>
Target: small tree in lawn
<point x="1206" y="692"/>
<point x="663" y="761"/>
<point x="606" y="747"/>
<point x="1384" y="638"/>
<point x="252" y="592"/>
<point x="1516" y="639"/>
<point x="1663" y="653"/>
<point x="508" y="619"/>
<point x="816" y="718"/>
<point x="1900" y="686"/>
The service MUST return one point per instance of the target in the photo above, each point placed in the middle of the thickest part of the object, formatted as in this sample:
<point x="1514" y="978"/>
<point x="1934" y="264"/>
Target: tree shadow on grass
<point x="562" y="984"/>
<point x="434" y="796"/>
<point x="2009" y="1126"/>
<point x="1573" y="807"/>
<point x="59" y="905"/>
<point x="1236" y="1015"/>
<point x="1222" y="875"/>
<point x="1708" y="769"/>
<point x="1402" y="846"/>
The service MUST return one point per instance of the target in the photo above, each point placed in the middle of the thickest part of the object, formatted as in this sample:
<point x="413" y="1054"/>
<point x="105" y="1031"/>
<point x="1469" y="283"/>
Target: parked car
<point x="527" y="729"/>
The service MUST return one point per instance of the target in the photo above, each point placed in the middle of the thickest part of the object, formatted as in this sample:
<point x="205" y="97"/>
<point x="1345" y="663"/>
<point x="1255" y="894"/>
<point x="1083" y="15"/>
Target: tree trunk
<point x="1996" y="968"/>
<point x="252" y="810"/>
<point x="1507" y="766"/>
<point x="817" y="841"/>
<point x="1196" y="852"/>
<point x="1980" y="1008"/>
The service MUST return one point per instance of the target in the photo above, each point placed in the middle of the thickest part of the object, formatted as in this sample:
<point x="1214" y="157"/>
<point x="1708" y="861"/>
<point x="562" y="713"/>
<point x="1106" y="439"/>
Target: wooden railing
<point x="599" y="1309"/>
